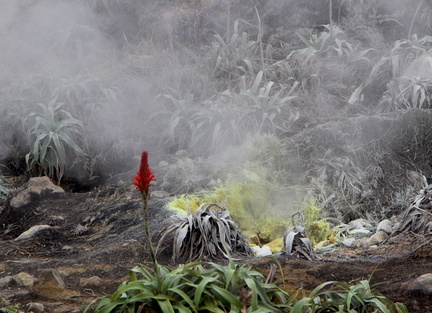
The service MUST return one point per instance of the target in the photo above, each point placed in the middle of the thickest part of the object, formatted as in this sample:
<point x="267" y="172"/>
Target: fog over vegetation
<point x="321" y="100"/>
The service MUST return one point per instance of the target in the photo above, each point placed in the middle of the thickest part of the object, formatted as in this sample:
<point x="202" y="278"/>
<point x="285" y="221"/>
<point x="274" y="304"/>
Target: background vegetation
<point x="330" y="105"/>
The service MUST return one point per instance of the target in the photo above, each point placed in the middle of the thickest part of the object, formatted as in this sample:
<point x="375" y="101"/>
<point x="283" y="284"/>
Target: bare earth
<point x="94" y="238"/>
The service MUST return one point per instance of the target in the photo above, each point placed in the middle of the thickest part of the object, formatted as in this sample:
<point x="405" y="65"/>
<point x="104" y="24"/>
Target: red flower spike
<point x="145" y="176"/>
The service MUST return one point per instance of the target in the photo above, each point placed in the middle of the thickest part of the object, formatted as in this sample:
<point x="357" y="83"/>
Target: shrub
<point x="342" y="297"/>
<point x="395" y="62"/>
<point x="226" y="55"/>
<point x="54" y="133"/>
<point x="207" y="233"/>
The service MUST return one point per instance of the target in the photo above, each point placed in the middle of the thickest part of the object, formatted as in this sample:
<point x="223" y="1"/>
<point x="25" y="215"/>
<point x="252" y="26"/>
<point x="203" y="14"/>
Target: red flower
<point x="145" y="176"/>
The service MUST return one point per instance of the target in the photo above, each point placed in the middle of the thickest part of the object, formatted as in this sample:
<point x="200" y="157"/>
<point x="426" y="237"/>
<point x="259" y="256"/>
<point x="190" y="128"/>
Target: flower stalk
<point x="143" y="182"/>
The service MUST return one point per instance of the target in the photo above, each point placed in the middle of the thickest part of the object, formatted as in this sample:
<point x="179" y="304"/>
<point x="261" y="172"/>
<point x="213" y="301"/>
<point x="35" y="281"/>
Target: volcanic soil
<point x="100" y="234"/>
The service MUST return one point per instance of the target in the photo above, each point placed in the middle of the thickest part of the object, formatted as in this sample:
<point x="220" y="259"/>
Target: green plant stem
<point x="149" y="242"/>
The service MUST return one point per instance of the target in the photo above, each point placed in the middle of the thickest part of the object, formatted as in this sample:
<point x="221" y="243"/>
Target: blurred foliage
<point x="9" y="309"/>
<point x="225" y="55"/>
<point x="55" y="121"/>
<point x="342" y="297"/>
<point x="4" y="187"/>
<point x="54" y="134"/>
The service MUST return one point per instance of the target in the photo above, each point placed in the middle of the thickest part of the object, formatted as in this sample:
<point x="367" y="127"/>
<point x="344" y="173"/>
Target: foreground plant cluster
<point x="210" y="287"/>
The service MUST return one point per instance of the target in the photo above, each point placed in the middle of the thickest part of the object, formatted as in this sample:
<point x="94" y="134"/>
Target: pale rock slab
<point x="31" y="232"/>
<point x="35" y="185"/>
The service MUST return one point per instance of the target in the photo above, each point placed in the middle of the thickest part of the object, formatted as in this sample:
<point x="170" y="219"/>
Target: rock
<point x="360" y="232"/>
<point x="36" y="185"/>
<point x="94" y="281"/>
<point x="51" y="285"/>
<point x="31" y="232"/>
<point x="348" y="242"/>
<point x="261" y="251"/>
<point x="27" y="280"/>
<point x="396" y="226"/>
<point x="361" y="243"/>
<point x="385" y="226"/>
<point x="378" y="237"/>
<point x="360" y="223"/>
<point x="35" y="307"/>
<point x="422" y="283"/>
<point x="160" y="194"/>
<point x="9" y="281"/>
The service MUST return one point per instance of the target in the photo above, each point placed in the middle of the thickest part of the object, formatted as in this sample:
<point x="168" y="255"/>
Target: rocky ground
<point x="59" y="251"/>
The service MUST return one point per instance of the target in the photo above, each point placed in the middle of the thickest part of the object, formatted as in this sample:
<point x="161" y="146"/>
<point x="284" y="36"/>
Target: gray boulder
<point x="385" y="226"/>
<point x="35" y="186"/>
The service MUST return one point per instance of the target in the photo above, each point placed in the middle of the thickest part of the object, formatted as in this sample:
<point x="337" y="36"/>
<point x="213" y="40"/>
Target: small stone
<point x="160" y="194"/>
<point x="35" y="307"/>
<point x="68" y="248"/>
<point x="94" y="281"/>
<point x="27" y="280"/>
<point x="361" y="243"/>
<point x="31" y="232"/>
<point x="8" y="281"/>
<point x="360" y="223"/>
<point x="348" y="242"/>
<point x="385" y="226"/>
<point x="378" y="237"/>
<point x="51" y="285"/>
<point x="261" y="251"/>
<point x="360" y="232"/>
<point x="422" y="283"/>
